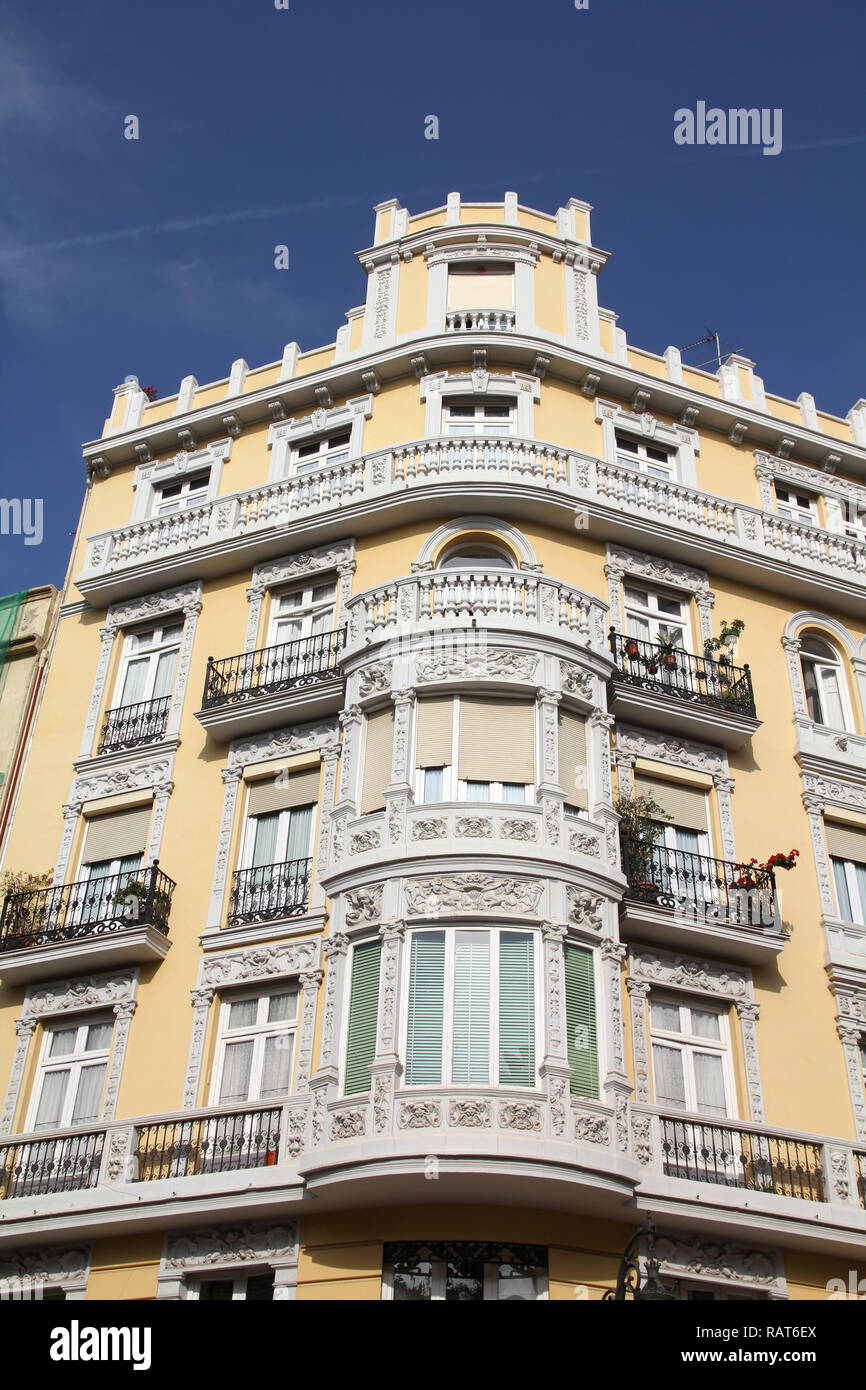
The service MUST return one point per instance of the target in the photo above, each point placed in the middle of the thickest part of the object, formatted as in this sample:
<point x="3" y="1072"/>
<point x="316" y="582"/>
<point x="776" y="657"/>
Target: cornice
<point x="494" y="234"/>
<point x="512" y="350"/>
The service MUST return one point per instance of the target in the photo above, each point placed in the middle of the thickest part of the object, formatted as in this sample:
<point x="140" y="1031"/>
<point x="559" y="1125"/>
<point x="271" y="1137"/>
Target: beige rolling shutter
<point x="435" y="723"/>
<point x="281" y="793"/>
<point x="497" y="741"/>
<point x="377" y="760"/>
<point x="686" y="806"/>
<point x="572" y="758"/>
<point x="846" y="841"/>
<point x="112" y="837"/>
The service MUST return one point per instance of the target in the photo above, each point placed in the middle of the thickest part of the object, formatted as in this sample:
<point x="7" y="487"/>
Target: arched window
<point x="823" y="683"/>
<point x="476" y="555"/>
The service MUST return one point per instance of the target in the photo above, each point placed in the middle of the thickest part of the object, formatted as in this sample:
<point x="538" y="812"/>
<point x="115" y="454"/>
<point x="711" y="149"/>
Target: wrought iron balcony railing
<point x="732" y="1157"/>
<point x="270" y="891"/>
<point x="207" y="1144"/>
<point x="92" y="907"/>
<point x="289" y="666"/>
<point x="38" y="1167"/>
<point x="718" y="889"/>
<point x="712" y="682"/>
<point x="131" y="725"/>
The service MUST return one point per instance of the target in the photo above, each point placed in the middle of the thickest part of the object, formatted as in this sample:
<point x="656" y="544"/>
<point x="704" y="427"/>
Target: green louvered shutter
<point x="516" y="1010"/>
<point x="426" y="1009"/>
<point x="363" y="1016"/>
<point x="470" y="1060"/>
<point x="580" y="1020"/>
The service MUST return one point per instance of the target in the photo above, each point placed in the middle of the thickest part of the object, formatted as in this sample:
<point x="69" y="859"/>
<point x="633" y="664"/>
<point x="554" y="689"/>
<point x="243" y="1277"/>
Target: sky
<point x="261" y="127"/>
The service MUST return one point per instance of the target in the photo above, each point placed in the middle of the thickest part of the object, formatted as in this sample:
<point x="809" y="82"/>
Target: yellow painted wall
<point x="125" y="1267"/>
<point x="550" y="296"/>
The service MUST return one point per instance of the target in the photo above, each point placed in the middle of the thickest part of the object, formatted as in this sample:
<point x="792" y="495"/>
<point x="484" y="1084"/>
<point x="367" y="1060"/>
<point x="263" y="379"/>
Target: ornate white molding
<point x="116" y="991"/>
<point x="851" y="1027"/>
<point x="663" y="748"/>
<point x="622" y="563"/>
<point x="149" y="475"/>
<point x="511" y="536"/>
<point x="469" y="663"/>
<point x="283" y="434"/>
<point x="708" y="979"/>
<point x="254" y="965"/>
<point x="768" y="467"/>
<point x="274" y="573"/>
<point x="467" y="894"/>
<point x="64" y="1267"/>
<point x="282" y="743"/>
<point x="525" y="389"/>
<point x="213" y="1249"/>
<point x="683" y="442"/>
<point x="145" y="774"/>
<point x="721" y="1263"/>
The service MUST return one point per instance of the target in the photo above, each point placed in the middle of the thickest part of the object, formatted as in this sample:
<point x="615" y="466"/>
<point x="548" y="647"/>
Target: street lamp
<point x="628" y="1278"/>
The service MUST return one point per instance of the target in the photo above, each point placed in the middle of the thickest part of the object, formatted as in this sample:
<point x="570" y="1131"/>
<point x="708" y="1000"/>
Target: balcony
<point x="224" y="1143"/>
<point x="860" y="1168"/>
<point x="693" y="902"/>
<point x="480" y="321"/>
<point x="518" y="477"/>
<point x="265" y="689"/>
<point x="41" y="1167"/>
<point x="270" y="892"/>
<point x="129" y="726"/>
<point x="689" y="695"/>
<point x="744" y="1158"/>
<point x="90" y="925"/>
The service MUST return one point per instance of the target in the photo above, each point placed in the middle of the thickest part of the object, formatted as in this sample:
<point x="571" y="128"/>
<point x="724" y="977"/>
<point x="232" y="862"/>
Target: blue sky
<point x="261" y="127"/>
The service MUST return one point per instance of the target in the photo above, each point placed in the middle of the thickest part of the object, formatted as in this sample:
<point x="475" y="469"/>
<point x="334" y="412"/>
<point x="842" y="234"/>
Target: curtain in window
<point x="843" y="897"/>
<point x="363" y="1017"/>
<point x="51" y="1100"/>
<point x="300" y="825"/>
<point x="710" y="1083"/>
<point x="265" y="843"/>
<point x="516" y="1010"/>
<point x="669" y="1078"/>
<point x="276" y="1067"/>
<point x="237" y="1070"/>
<point x="135" y="681"/>
<point x="580" y="1020"/>
<point x="471" y="1047"/>
<point x="165" y="668"/>
<point x="89" y="1094"/>
<point x="426" y="1009"/>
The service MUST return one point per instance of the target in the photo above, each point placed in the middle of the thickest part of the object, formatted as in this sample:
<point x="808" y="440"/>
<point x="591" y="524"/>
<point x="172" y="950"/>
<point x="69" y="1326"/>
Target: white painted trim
<point x="683" y="443"/>
<point x="148" y="476"/>
<point x="283" y="436"/>
<point x="510" y="535"/>
<point x="523" y="387"/>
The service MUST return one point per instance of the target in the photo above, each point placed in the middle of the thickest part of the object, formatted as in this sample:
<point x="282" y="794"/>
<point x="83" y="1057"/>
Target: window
<point x="656" y="616"/>
<point x="110" y="860"/>
<point x="279" y="837"/>
<point x="797" y="506"/>
<point x="476" y="557"/>
<point x="479" y="417"/>
<point x="634" y="452"/>
<point x="255" y="1046"/>
<point x="253" y="1288"/>
<point x="582" y="1038"/>
<point x="471" y="1009"/>
<point x="688" y="830"/>
<point x="303" y="612"/>
<point x="327" y="448"/>
<point x="854" y="519"/>
<point x="481" y="286"/>
<point x="71" y="1075"/>
<point x="463" y="1272"/>
<point x="823" y="683"/>
<point x="276" y="859"/>
<point x="176" y="497"/>
<point x="691" y="1058"/>
<point x="148" y="665"/>
<point x="363" y="1017"/>
<point x="846" y="845"/>
<point x="490" y="743"/>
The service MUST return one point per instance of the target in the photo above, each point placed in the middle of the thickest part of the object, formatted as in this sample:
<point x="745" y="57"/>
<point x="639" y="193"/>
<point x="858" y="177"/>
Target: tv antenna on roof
<point x="711" y="336"/>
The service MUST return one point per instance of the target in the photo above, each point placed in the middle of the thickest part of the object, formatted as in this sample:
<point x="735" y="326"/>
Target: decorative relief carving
<point x="348" y="1124"/>
<point x="153" y="774"/>
<point x="118" y="1150"/>
<point x="519" y="830"/>
<point x="739" y="1264"/>
<point x="57" y="1265"/>
<point x="576" y="681"/>
<point x="274" y="572"/>
<point x="558" y="1101"/>
<point x="364" y="841"/>
<point x="839" y="1171"/>
<point x="592" y="1129"/>
<point x="474" y="827"/>
<point x="375" y="679"/>
<point x="364" y="905"/>
<point x="217" y="1245"/>
<point x="259" y="963"/>
<point x="622" y="1124"/>
<point x="138" y="610"/>
<point x="642" y="1138"/>
<point x="296" y="1120"/>
<point x="470" y="664"/>
<point x="585" y="909"/>
<point x="431" y="829"/>
<point x="835" y="791"/>
<point x="468" y="893"/>
<point x="521" y="1115"/>
<point x="708" y="977"/>
<point x="470" y="1114"/>
<point x="419" y="1114"/>
<point x="283" y="743"/>
<point x="643" y="743"/>
<point x="581" y="843"/>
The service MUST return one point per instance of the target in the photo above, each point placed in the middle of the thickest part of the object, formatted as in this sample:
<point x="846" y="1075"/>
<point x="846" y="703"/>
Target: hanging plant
<point x="721" y="649"/>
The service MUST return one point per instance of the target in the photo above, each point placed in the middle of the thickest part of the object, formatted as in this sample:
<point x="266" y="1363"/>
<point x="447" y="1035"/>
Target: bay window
<point x="470" y="749"/>
<point x="471" y="1008"/>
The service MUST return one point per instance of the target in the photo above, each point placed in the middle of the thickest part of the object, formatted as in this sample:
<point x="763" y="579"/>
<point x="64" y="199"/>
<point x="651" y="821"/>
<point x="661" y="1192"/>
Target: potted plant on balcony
<point x="639" y="818"/>
<point x="721" y="649"/>
<point x="631" y="648"/>
<point x="667" y="652"/>
<point x="24" y="910"/>
<point x="128" y="898"/>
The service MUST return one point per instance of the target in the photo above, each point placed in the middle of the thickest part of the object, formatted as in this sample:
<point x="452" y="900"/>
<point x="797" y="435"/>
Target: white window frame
<point x="633" y="451"/>
<point x="681" y="443"/>
<point x="652" y="616"/>
<point x="794" y="505"/>
<point x="257" y="1033"/>
<point x="74" y="1062"/>
<point x="836" y="663"/>
<point x="450" y="934"/>
<point x="454" y="789"/>
<point x="283" y="830"/>
<point x="332" y="446"/>
<point x="306" y="612"/>
<point x="688" y="1043"/>
<point x="285" y="438"/>
<point x="188" y="496"/>
<point x="521" y="388"/>
<point x="481" y="425"/>
<point x="158" y="648"/>
<point x="239" y="1281"/>
<point x="858" y="905"/>
<point x="149" y="478"/>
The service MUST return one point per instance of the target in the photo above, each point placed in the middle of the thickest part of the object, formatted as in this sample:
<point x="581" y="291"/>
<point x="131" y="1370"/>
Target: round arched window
<point x="823" y="682"/>
<point x="476" y="557"/>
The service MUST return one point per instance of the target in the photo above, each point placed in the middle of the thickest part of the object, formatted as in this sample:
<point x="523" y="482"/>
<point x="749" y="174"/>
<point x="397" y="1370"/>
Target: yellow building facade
<point x="350" y="985"/>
